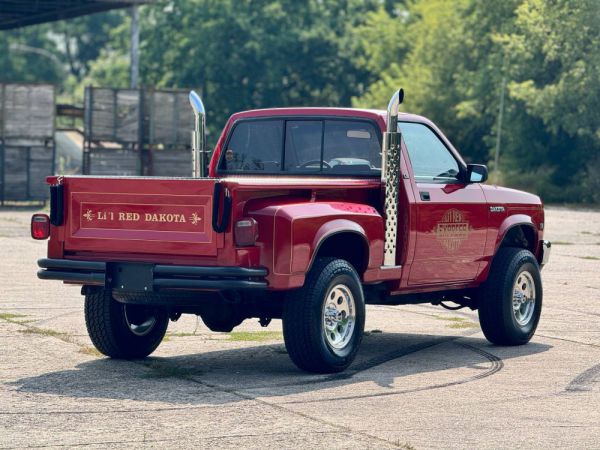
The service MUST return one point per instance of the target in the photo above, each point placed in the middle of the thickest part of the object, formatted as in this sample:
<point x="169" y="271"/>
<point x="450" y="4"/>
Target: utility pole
<point x="499" y="128"/>
<point x="135" y="46"/>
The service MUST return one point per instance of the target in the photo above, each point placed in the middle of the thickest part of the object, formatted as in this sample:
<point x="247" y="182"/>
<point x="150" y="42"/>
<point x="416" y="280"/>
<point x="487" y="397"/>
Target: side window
<point x="350" y="147"/>
<point x="430" y="159"/>
<point x="303" y="145"/>
<point x="254" y="146"/>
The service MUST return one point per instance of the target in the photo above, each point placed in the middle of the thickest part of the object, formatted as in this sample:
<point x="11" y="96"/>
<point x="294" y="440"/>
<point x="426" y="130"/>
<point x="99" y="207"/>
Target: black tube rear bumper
<point x="151" y="277"/>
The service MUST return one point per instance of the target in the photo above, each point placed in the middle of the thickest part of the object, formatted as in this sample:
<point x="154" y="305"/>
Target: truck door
<point x="451" y="215"/>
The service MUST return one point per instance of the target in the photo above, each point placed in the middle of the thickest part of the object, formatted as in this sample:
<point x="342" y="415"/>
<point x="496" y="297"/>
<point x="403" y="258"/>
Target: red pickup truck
<point x="306" y="214"/>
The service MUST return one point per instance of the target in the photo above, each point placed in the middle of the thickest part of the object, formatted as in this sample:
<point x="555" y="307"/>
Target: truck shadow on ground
<point x="226" y="376"/>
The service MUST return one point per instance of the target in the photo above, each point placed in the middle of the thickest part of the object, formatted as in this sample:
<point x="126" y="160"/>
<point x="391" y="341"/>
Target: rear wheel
<point x="323" y="322"/>
<point x="123" y="331"/>
<point x="510" y="302"/>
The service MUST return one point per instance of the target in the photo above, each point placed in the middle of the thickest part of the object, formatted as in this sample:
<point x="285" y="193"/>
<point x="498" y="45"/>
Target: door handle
<point x="425" y="196"/>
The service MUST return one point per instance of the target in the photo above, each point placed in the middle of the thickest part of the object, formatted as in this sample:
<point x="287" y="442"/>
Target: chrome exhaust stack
<point x="198" y="136"/>
<point x="390" y="175"/>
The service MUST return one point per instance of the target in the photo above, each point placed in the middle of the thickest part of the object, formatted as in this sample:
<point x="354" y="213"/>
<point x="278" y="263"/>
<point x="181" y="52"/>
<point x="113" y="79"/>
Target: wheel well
<point x="345" y="245"/>
<point x="522" y="236"/>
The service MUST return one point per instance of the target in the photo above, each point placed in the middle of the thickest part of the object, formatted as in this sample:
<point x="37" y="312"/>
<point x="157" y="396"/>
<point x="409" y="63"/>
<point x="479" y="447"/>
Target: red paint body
<point x="447" y="242"/>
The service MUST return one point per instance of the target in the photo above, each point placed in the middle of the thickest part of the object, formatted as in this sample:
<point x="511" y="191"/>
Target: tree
<point x="245" y="54"/>
<point x="452" y="70"/>
<point x="456" y="57"/>
<point x="556" y="75"/>
<point x="29" y="55"/>
<point x="59" y="53"/>
<point x="451" y="57"/>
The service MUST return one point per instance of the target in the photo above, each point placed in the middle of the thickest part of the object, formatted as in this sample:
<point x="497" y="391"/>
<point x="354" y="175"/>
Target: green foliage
<point x="29" y="55"/>
<point x="380" y="42"/>
<point x="452" y="72"/>
<point x="452" y="58"/>
<point x="557" y="81"/>
<point x="59" y="53"/>
<point x="255" y="336"/>
<point x="547" y="51"/>
<point x="559" y="70"/>
<point x="245" y="54"/>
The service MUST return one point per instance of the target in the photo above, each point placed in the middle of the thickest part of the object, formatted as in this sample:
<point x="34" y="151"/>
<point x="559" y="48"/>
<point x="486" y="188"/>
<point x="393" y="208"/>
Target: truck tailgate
<point x="139" y="215"/>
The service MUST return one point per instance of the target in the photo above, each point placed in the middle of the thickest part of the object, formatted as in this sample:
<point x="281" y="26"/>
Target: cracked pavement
<point x="424" y="377"/>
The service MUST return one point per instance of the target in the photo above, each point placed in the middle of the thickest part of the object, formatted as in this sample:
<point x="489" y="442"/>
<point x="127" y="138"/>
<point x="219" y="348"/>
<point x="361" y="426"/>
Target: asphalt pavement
<point x="425" y="377"/>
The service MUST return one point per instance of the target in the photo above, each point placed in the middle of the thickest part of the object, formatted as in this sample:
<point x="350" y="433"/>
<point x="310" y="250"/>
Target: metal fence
<point x="27" y="147"/>
<point x="137" y="132"/>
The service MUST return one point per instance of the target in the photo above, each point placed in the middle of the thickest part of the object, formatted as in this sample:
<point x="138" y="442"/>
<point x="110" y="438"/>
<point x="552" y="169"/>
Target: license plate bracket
<point x="131" y="276"/>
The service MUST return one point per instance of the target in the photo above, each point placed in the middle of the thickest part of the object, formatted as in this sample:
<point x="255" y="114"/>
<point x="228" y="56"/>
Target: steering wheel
<point x="314" y="161"/>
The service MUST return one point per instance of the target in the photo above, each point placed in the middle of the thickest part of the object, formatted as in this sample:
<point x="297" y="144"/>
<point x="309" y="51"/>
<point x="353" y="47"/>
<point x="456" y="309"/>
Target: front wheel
<point x="323" y="322"/>
<point x="510" y="302"/>
<point x="120" y="330"/>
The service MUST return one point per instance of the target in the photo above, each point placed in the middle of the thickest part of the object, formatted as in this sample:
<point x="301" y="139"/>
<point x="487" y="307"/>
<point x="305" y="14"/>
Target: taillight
<point x="40" y="226"/>
<point x="246" y="232"/>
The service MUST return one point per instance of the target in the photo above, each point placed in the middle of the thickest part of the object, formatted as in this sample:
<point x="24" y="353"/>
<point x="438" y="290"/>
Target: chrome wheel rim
<point x="523" y="301"/>
<point x="339" y="316"/>
<point x="139" y="320"/>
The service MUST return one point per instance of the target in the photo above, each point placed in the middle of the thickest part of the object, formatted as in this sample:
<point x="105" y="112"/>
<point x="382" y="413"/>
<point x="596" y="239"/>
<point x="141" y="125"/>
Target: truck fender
<point x="293" y="233"/>
<point x="338" y="227"/>
<point x="511" y="222"/>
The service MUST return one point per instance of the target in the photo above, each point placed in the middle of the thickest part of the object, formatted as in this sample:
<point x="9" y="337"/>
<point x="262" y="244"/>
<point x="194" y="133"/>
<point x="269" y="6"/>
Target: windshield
<point x="328" y="146"/>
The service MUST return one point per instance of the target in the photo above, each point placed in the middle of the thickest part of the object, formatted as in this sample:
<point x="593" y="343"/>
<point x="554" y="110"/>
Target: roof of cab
<point x="378" y="115"/>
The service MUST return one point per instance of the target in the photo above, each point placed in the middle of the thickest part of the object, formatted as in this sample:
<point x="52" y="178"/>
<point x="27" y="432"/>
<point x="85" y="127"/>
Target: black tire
<point x="303" y="327"/>
<point x="108" y="327"/>
<point x="496" y="315"/>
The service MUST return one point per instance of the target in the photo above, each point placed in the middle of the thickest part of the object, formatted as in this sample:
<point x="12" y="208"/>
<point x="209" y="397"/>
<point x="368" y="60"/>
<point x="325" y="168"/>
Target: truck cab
<point x="304" y="215"/>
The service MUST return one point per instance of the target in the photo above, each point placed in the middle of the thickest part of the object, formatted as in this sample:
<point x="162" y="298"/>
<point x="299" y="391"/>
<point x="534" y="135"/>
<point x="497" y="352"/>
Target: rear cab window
<point x="254" y="146"/>
<point x="303" y="145"/>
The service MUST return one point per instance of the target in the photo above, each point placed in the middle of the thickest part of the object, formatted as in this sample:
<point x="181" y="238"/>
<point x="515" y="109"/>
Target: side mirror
<point x="476" y="173"/>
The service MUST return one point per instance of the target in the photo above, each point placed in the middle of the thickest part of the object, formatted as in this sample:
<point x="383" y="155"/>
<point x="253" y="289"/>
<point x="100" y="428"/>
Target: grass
<point x="11" y="317"/>
<point x="451" y="319"/>
<point x="15" y="318"/>
<point x="241" y="336"/>
<point x="592" y="258"/>
<point x="89" y="350"/>
<point x="463" y="325"/>
<point x="562" y="243"/>
<point x="61" y="335"/>
<point x="47" y="332"/>
<point x="458" y="322"/>
<point x="255" y="336"/>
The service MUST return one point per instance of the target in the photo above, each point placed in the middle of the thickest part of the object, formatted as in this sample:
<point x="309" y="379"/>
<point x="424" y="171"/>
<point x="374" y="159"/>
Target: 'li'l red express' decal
<point x="152" y="223"/>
